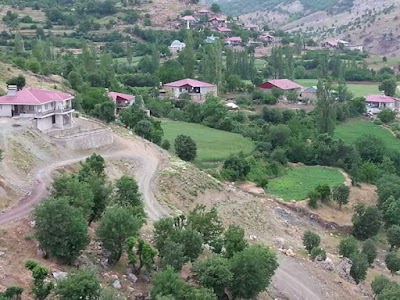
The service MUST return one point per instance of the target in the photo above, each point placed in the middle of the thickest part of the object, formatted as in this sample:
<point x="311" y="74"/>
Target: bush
<point x="387" y="115"/>
<point x="310" y="240"/>
<point x="235" y="168"/>
<point x="392" y="261"/>
<point x="359" y="266"/>
<point x="393" y="236"/>
<point x="313" y="199"/>
<point x="185" y="147"/>
<point x="277" y="93"/>
<point x="318" y="251"/>
<point x="348" y="247"/>
<point x="324" y="192"/>
<point x="166" y="144"/>
<point x="369" y="249"/>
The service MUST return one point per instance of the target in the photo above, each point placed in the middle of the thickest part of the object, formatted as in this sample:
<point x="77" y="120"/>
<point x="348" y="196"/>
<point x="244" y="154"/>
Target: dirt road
<point x="147" y="158"/>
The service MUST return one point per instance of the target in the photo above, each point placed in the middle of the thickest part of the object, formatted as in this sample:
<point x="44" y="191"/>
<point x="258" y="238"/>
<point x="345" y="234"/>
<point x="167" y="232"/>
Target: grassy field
<point x="359" y="90"/>
<point x="212" y="144"/>
<point x="299" y="181"/>
<point x="350" y="131"/>
<point x="376" y="62"/>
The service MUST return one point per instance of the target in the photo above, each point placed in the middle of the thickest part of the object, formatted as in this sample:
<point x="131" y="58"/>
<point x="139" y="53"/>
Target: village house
<point x="251" y="27"/>
<point x="224" y="30"/>
<point x="197" y="90"/>
<point x="176" y="47"/>
<point x="375" y="103"/>
<point x="309" y="95"/>
<point x="233" y="41"/>
<point x="284" y="85"/>
<point x="48" y="109"/>
<point x="217" y="21"/>
<point x="334" y="44"/>
<point x="189" y="21"/>
<point x="266" y="38"/>
<point x="204" y="12"/>
<point x="122" y="101"/>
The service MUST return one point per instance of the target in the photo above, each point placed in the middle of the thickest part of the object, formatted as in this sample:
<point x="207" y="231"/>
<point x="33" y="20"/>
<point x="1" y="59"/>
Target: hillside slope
<point x="370" y="23"/>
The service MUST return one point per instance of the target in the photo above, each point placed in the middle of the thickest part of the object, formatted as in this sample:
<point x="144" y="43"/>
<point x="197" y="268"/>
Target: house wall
<point x="205" y="91"/>
<point x="87" y="140"/>
<point x="312" y="97"/>
<point x="5" y="110"/>
<point x="44" y="124"/>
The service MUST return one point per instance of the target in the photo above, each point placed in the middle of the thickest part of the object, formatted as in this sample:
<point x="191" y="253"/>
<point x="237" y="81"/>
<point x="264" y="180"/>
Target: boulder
<point x="343" y="269"/>
<point x="59" y="275"/>
<point x="280" y="243"/>
<point x="132" y="278"/>
<point x="117" y="284"/>
<point x="290" y="252"/>
<point x="326" y="264"/>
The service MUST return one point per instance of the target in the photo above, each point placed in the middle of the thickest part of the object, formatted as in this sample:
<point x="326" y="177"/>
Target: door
<point x="53" y="119"/>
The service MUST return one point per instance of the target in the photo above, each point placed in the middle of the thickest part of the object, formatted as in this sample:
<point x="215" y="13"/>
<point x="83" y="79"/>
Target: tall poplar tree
<point x="325" y="112"/>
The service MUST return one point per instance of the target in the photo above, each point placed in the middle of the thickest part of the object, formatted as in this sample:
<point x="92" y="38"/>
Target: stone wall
<point x="86" y="140"/>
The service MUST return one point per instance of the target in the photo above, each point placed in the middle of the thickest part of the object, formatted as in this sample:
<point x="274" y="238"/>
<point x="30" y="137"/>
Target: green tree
<point x="359" y="266"/>
<point x="75" y="80"/>
<point x="171" y="71"/>
<point x="82" y="284"/>
<point x="215" y="8"/>
<point x="19" y="47"/>
<point x="185" y="147"/>
<point x="105" y="111"/>
<point x="234" y="240"/>
<point x="235" y="167"/>
<point x="318" y="251"/>
<point x="380" y="283"/>
<point x="60" y="229"/>
<point x="340" y="194"/>
<point x="393" y="236"/>
<point x="207" y="223"/>
<point x="213" y="273"/>
<point x="145" y="254"/>
<point x="12" y="293"/>
<point x="164" y="229"/>
<point x="392" y="261"/>
<point x="191" y="241"/>
<point x="391" y="212"/>
<point x="173" y="255"/>
<point x="311" y="240"/>
<point x="389" y="86"/>
<point x="366" y="221"/>
<point x="324" y="192"/>
<point x="369" y="249"/>
<point x="252" y="271"/>
<point x="115" y="227"/>
<point x="387" y="115"/>
<point x="40" y="288"/>
<point x="127" y="192"/>
<point x="371" y="148"/>
<point x="348" y="247"/>
<point x="325" y="111"/>
<point x="187" y="56"/>
<point x="19" y="81"/>
<point x="78" y="193"/>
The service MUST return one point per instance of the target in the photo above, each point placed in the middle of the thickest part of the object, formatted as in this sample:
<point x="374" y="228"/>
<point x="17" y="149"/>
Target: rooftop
<point x="34" y="96"/>
<point x="120" y="96"/>
<point x="380" y="99"/>
<point x="189" y="18"/>
<point x="285" y="84"/>
<point x="190" y="82"/>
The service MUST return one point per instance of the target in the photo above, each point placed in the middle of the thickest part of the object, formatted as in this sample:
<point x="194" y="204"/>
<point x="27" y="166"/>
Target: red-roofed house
<point x="374" y="103"/>
<point x="285" y="85"/>
<point x="189" y="20"/>
<point x="217" y="21"/>
<point x="121" y="100"/>
<point x="204" y="11"/>
<point x="252" y="27"/>
<point x="233" y="41"/>
<point x="267" y="38"/>
<point x="224" y="30"/>
<point x="49" y="109"/>
<point x="198" y="90"/>
<point x="334" y="44"/>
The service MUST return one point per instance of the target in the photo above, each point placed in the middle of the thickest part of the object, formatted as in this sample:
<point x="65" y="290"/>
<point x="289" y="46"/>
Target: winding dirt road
<point x="148" y="159"/>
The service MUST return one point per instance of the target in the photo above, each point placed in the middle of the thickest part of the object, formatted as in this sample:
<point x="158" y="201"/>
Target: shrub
<point x="369" y="249"/>
<point x="185" y="147"/>
<point x="387" y="115"/>
<point x="310" y="240"/>
<point x="359" y="266"/>
<point x="324" y="192"/>
<point x="313" y="199"/>
<point x="392" y="261"/>
<point x="348" y="247"/>
<point x="393" y="236"/>
<point x="166" y="144"/>
<point x="318" y="251"/>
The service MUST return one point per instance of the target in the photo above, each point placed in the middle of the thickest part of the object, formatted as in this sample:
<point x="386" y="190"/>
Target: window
<point x="46" y="107"/>
<point x="1" y="106"/>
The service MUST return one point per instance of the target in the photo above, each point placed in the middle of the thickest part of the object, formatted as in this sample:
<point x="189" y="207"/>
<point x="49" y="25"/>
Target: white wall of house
<point x="44" y="124"/>
<point x="205" y="91"/>
<point x="5" y="110"/>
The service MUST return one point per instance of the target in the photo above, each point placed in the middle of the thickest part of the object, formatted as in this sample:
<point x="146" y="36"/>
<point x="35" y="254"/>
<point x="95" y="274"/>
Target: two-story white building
<point x="48" y="109"/>
<point x="197" y="90"/>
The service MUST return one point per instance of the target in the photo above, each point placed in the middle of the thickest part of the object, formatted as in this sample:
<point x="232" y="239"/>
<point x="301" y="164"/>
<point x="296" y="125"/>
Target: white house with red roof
<point x="233" y="41"/>
<point x="49" y="109"/>
<point x="189" y="20"/>
<point x="285" y="85"/>
<point x="121" y="100"/>
<point x="198" y="90"/>
<point x="224" y="30"/>
<point x="375" y="103"/>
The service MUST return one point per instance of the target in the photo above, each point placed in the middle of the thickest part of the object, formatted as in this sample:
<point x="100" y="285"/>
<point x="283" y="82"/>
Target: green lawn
<point x="135" y="60"/>
<point x="212" y="144"/>
<point x="359" y="90"/>
<point x="350" y="131"/>
<point x="300" y="181"/>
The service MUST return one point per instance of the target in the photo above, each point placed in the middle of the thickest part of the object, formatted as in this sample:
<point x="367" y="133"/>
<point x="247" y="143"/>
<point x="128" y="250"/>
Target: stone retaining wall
<point x="86" y="140"/>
